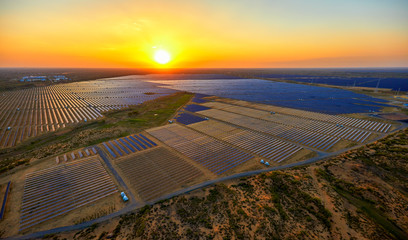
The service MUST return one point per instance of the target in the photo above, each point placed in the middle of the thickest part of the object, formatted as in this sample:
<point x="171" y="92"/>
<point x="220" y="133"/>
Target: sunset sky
<point x="266" y="33"/>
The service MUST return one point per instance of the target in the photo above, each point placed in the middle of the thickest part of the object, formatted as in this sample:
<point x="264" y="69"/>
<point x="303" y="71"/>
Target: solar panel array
<point x="265" y="146"/>
<point x="213" y="154"/>
<point x="297" y="135"/>
<point x="55" y="191"/>
<point x="199" y="98"/>
<point x="195" y="108"/>
<point x="384" y="82"/>
<point x="30" y="112"/>
<point x="334" y="119"/>
<point x="187" y="118"/>
<point x="127" y="145"/>
<point x="116" y="93"/>
<point x="156" y="172"/>
<point x="291" y="95"/>
<point x="344" y="132"/>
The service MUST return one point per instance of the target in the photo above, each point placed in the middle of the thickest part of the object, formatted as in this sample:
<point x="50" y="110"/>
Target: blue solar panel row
<point x="3" y="206"/>
<point x="143" y="141"/>
<point x="198" y="98"/>
<point x="305" y="97"/>
<point x="109" y="150"/>
<point x="133" y="144"/>
<point x="389" y="82"/>
<point x="199" y="95"/>
<point x="122" y="147"/>
<point x="186" y="119"/>
<point x="127" y="145"/>
<point x="153" y="143"/>
<point x="195" y="108"/>
<point x="137" y="141"/>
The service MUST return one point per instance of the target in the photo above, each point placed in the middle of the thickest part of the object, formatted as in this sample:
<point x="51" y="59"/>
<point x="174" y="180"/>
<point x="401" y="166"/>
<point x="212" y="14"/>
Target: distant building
<point x="55" y="78"/>
<point x="34" y="79"/>
<point x="60" y="78"/>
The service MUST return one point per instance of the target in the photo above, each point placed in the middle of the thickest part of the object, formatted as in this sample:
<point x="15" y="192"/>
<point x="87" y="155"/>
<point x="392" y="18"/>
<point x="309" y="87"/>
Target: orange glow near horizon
<point x="196" y="34"/>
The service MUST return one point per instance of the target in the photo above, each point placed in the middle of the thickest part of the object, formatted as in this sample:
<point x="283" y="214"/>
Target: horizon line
<point x="152" y="68"/>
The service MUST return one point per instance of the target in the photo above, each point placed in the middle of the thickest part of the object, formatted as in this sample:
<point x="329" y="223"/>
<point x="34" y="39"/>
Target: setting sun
<point x="162" y="56"/>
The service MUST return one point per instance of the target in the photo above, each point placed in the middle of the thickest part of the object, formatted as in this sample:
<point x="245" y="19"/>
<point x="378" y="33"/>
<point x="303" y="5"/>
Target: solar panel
<point x="127" y="145"/>
<point x="138" y="142"/>
<point x="288" y="133"/>
<point x="186" y="118"/>
<point x="154" y="173"/>
<point x="143" y="141"/>
<point x="122" y="146"/>
<point x="49" y="108"/>
<point x="195" y="108"/>
<point x="147" y="139"/>
<point x="215" y="155"/>
<point x="55" y="191"/>
<point x="116" y="149"/>
<point x="300" y="96"/>
<point x="109" y="150"/>
<point x="265" y="146"/>
<point x="133" y="144"/>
